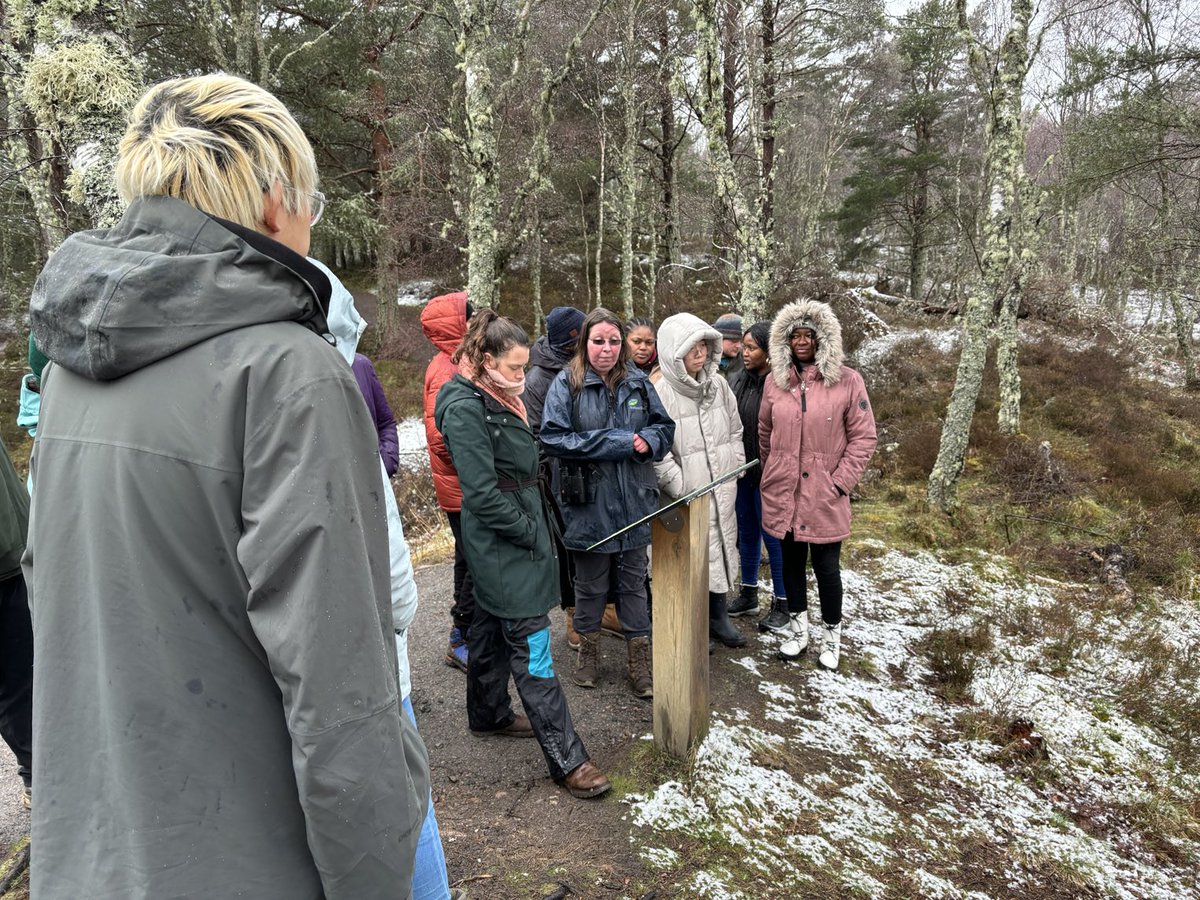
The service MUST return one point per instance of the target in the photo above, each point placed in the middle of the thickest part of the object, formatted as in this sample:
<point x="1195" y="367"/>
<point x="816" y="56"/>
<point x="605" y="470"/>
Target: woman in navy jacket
<point x="605" y="423"/>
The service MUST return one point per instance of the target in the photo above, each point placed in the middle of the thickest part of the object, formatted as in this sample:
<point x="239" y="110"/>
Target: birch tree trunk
<point x="29" y="156"/>
<point x="487" y="249"/>
<point x="629" y="146"/>
<point x="755" y="263"/>
<point x="535" y="270"/>
<point x="79" y="85"/>
<point x="600" y="206"/>
<point x="998" y="281"/>
<point x="483" y="206"/>
<point x="670" y="240"/>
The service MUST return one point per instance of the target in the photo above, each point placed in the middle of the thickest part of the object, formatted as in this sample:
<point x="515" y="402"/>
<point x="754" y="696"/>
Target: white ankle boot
<point x="831" y="639"/>
<point x="796" y="637"/>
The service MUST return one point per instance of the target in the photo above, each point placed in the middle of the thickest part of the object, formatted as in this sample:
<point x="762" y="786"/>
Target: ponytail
<point x="488" y="333"/>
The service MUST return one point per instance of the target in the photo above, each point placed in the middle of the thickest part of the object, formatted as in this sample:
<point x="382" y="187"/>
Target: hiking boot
<point x="27" y="796"/>
<point x="611" y="623"/>
<point x="746" y="603"/>
<point x="572" y="634"/>
<point x="777" y="620"/>
<point x="589" y="660"/>
<point x="719" y="625"/>
<point x="586" y="781"/>
<point x="831" y="639"/>
<point x="640" y="669"/>
<point x="797" y="638"/>
<point x="519" y="727"/>
<point x="456" y="652"/>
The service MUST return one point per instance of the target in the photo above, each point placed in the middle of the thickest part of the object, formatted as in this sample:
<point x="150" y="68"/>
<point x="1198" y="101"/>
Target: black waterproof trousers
<point x="462" y="612"/>
<point x="498" y="648"/>
<point x="16" y="673"/>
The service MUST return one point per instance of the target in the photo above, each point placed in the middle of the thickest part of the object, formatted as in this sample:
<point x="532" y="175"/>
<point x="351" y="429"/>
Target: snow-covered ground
<point x="870" y="351"/>
<point x="866" y="779"/>
<point x="415" y="293"/>
<point x="413" y="446"/>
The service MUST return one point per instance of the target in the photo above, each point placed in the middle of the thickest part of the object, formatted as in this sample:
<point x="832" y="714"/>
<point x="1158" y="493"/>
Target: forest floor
<point x="1017" y="712"/>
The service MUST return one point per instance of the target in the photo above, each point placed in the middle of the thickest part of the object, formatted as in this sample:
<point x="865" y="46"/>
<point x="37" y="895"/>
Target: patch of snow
<point x="866" y="770"/>
<point x="410" y="434"/>
<point x="870" y="351"/>
<point x="415" y="293"/>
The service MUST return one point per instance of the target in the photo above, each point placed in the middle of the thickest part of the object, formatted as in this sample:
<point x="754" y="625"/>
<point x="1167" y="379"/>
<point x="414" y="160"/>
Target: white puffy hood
<point x="676" y="336"/>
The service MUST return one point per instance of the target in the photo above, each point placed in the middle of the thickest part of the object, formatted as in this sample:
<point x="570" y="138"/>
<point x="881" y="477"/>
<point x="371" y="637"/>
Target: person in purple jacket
<point x="381" y="413"/>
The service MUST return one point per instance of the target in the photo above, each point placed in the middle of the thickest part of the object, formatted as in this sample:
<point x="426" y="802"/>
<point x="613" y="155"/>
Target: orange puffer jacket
<point x="444" y="321"/>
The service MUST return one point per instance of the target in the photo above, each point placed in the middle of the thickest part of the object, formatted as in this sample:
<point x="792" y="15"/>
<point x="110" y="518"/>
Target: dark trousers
<point x="498" y="648"/>
<point x="751" y="538"/>
<point x="462" y="612"/>
<point x="16" y="673"/>
<point x="826" y="563"/>
<point x="593" y="577"/>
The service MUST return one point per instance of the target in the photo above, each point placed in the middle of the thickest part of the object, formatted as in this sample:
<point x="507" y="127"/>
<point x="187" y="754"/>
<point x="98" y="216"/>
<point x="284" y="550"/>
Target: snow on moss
<point x="864" y="784"/>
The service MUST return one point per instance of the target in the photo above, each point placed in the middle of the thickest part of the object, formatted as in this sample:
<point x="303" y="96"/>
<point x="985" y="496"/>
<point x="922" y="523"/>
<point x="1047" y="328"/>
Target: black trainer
<point x="777" y="619"/>
<point x="746" y="603"/>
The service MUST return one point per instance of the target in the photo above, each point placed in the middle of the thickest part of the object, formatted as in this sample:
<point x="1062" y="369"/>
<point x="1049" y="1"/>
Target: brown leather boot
<point x="640" y="669"/>
<point x="588" y="663"/>
<point x="572" y="634"/>
<point x="586" y="781"/>
<point x="611" y="623"/>
<point x="519" y="727"/>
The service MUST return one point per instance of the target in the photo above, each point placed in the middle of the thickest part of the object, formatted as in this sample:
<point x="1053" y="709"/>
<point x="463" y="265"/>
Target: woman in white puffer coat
<point x="708" y="443"/>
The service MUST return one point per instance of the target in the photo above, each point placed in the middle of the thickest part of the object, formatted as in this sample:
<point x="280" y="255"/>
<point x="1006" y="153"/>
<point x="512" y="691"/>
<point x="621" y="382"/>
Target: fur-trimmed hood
<point x="676" y="336"/>
<point x="821" y="319"/>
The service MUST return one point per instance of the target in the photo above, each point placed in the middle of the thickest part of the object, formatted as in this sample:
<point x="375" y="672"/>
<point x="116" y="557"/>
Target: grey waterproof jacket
<point x="216" y="711"/>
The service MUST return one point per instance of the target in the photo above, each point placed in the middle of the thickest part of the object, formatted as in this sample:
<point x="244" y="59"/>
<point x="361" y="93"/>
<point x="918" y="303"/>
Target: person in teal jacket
<point x="509" y="547"/>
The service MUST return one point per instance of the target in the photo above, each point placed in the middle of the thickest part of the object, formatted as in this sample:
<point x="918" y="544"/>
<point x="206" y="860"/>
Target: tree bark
<point x="629" y="146"/>
<point x="670" y="240"/>
<point x="755" y="257"/>
<point x="80" y="85"/>
<point x="998" y="282"/>
<point x="483" y="211"/>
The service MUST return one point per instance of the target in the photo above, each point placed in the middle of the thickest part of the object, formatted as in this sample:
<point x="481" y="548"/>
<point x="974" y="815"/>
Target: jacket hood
<point x="829" y="340"/>
<point x="345" y="323"/>
<point x="676" y="336"/>
<point x="164" y="278"/>
<point x="543" y="355"/>
<point x="444" y="321"/>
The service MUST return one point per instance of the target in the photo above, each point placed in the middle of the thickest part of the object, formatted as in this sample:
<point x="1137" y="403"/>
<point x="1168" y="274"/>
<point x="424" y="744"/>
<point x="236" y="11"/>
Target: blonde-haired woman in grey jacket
<point x="708" y="443"/>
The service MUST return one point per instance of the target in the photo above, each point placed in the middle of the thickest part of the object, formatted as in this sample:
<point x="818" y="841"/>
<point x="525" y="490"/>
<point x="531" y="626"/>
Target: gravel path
<point x="14" y="820"/>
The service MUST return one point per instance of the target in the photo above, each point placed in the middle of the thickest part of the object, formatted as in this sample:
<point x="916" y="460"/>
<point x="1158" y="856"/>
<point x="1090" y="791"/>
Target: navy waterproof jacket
<point x="597" y="429"/>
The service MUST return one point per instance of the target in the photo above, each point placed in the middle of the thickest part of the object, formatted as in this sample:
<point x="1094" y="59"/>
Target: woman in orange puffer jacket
<point x="444" y="321"/>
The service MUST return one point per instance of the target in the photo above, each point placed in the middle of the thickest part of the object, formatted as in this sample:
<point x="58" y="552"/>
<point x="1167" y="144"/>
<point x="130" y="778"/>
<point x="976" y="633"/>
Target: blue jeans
<point x="751" y="537"/>
<point x="430" y="881"/>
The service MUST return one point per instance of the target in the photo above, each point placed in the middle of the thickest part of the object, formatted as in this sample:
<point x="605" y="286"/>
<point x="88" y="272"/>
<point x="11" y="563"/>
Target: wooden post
<point x="681" y="630"/>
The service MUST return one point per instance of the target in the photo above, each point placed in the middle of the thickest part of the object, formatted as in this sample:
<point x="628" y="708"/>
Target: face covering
<point x="509" y="388"/>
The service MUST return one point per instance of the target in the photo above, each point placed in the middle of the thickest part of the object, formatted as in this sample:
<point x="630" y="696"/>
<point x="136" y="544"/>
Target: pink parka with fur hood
<point x="816" y="431"/>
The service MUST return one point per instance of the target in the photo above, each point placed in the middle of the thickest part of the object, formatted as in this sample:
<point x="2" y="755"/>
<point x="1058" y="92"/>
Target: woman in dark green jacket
<point x="509" y="548"/>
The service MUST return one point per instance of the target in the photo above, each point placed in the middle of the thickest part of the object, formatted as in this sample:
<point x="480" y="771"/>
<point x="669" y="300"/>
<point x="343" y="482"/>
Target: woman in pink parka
<point x="815" y="436"/>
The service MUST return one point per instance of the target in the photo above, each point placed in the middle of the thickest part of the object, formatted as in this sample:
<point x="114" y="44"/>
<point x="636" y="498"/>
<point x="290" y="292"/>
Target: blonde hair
<point x="218" y="143"/>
